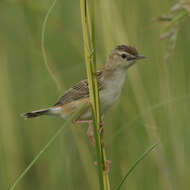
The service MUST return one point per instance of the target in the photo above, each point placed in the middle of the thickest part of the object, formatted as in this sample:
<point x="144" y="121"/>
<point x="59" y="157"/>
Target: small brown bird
<point x="110" y="82"/>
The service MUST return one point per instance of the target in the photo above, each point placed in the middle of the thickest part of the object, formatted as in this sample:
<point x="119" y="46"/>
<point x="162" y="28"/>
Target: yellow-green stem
<point x="90" y="60"/>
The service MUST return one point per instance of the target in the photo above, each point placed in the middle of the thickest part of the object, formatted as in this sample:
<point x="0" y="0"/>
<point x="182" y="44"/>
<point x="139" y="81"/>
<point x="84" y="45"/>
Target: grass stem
<point x="53" y="138"/>
<point x="135" y="165"/>
<point x="88" y="19"/>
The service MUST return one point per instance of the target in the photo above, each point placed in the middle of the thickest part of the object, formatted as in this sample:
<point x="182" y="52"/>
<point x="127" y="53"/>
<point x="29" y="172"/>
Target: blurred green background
<point x="154" y="106"/>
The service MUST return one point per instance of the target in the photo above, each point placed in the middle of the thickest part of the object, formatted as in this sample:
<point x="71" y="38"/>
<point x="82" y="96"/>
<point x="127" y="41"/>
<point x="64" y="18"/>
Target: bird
<point x="110" y="77"/>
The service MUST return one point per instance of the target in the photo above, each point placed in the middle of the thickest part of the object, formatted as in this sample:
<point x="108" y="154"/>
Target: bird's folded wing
<point x="78" y="91"/>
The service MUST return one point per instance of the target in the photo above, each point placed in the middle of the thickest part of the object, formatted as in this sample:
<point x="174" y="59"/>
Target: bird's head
<point x="122" y="57"/>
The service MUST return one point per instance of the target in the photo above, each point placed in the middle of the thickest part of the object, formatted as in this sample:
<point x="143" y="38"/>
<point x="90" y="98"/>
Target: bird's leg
<point x="81" y="121"/>
<point x="77" y="120"/>
<point x="90" y="131"/>
<point x="90" y="134"/>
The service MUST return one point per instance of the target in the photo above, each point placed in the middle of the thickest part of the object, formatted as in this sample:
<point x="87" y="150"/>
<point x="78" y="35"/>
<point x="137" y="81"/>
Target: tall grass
<point x="87" y="15"/>
<point x="154" y="104"/>
<point x="51" y="140"/>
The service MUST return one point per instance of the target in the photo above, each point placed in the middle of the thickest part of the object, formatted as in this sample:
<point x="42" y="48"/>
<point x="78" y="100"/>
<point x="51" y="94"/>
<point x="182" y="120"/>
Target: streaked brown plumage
<point x="110" y="82"/>
<point x="78" y="91"/>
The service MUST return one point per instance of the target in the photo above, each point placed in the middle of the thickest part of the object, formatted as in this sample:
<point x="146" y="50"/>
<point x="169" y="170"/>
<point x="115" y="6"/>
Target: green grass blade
<point x="52" y="139"/>
<point x="88" y="29"/>
<point x="135" y="165"/>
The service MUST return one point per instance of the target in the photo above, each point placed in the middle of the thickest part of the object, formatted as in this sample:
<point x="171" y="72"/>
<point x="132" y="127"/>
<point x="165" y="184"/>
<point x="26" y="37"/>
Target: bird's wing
<point x="79" y="91"/>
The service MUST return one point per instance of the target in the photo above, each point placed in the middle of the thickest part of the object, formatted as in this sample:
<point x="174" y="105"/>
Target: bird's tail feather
<point x="36" y="113"/>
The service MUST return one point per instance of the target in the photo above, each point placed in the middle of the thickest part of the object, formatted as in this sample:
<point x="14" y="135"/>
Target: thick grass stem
<point x="88" y="17"/>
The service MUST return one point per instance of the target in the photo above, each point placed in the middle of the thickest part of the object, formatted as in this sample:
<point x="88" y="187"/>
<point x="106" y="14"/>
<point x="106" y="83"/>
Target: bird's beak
<point x="140" y="57"/>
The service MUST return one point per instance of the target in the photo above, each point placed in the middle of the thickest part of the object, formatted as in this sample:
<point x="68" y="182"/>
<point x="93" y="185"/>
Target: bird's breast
<point x="112" y="90"/>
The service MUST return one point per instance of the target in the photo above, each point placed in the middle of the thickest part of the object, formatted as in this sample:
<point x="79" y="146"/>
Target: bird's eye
<point x="123" y="56"/>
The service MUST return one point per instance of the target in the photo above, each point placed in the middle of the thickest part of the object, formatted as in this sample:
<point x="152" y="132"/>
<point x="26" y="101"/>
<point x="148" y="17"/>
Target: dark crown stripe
<point x="128" y="49"/>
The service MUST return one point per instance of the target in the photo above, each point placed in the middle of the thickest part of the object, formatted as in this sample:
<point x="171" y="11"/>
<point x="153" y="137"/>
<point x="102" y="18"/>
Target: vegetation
<point x="153" y="107"/>
<point x="88" y="28"/>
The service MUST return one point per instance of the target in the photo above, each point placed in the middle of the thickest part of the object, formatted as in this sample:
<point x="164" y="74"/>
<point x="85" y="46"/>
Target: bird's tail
<point x="36" y="113"/>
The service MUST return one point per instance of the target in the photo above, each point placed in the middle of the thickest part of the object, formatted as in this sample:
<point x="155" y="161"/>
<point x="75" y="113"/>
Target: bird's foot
<point x="90" y="134"/>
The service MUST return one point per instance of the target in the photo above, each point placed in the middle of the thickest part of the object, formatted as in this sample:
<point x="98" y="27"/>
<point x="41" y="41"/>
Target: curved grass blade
<point x="43" y="49"/>
<point x="52" y="139"/>
<point x="135" y="165"/>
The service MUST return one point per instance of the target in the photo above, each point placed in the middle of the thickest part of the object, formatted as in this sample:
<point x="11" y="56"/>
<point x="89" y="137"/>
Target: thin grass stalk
<point x="52" y="139"/>
<point x="44" y="54"/>
<point x="90" y="60"/>
<point x="98" y="116"/>
<point x="136" y="163"/>
<point x="90" y="81"/>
